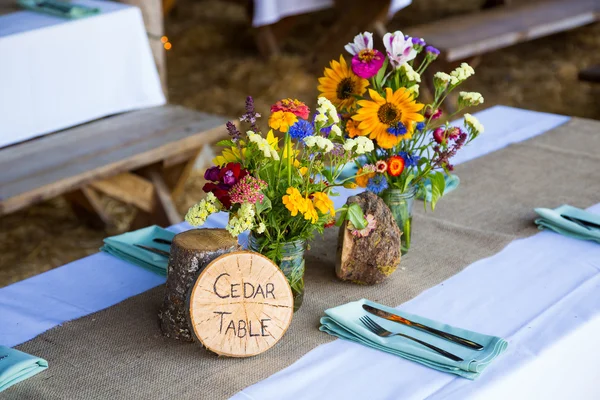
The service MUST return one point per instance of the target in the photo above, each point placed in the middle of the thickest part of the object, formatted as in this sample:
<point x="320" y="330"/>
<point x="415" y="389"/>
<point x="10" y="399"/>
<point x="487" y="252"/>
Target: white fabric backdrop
<point x="34" y="305"/>
<point x="56" y="73"/>
<point x="268" y="12"/>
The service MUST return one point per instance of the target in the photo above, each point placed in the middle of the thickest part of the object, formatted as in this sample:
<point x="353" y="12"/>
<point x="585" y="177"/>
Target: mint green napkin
<point x="343" y="322"/>
<point x="59" y="8"/>
<point x="452" y="182"/>
<point x="122" y="246"/>
<point x="552" y="220"/>
<point x="16" y="366"/>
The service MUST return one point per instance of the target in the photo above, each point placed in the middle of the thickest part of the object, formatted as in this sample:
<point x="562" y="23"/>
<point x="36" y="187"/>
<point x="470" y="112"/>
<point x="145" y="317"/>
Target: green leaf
<point x="343" y="213"/>
<point x="438" y="185"/>
<point x="381" y="74"/>
<point x="356" y="216"/>
<point x="326" y="172"/>
<point x="407" y="182"/>
<point x="264" y="205"/>
<point x="226" y="143"/>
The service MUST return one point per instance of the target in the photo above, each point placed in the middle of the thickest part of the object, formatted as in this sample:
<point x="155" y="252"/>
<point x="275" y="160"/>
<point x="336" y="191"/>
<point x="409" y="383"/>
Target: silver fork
<point x="380" y="331"/>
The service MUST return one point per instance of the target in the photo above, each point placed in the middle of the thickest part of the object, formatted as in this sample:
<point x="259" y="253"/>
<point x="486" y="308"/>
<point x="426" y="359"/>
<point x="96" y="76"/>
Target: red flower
<point x="223" y="180"/>
<point x="395" y="165"/>
<point x="296" y="107"/>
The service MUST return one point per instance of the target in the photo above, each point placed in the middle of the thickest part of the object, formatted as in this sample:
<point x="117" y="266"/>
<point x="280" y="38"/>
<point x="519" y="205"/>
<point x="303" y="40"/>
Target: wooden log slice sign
<point x="240" y="305"/>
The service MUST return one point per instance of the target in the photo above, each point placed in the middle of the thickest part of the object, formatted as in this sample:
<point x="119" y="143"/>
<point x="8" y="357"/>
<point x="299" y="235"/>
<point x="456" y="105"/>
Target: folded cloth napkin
<point x="59" y="8"/>
<point x="343" y="322"/>
<point x="552" y="220"/>
<point x="452" y="182"/>
<point x="122" y="246"/>
<point x="16" y="366"/>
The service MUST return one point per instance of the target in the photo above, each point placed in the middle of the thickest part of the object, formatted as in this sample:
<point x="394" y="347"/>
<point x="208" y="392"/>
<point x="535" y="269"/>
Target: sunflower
<point x="340" y="85"/>
<point x="391" y="119"/>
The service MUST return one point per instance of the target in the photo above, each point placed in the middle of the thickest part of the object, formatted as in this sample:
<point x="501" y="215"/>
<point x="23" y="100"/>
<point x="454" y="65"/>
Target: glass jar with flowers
<point x="378" y="95"/>
<point x="280" y="189"/>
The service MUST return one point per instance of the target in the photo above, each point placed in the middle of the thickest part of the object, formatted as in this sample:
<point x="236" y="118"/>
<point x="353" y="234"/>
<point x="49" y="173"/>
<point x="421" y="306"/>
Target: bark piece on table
<point x="371" y="259"/>
<point x="191" y="252"/>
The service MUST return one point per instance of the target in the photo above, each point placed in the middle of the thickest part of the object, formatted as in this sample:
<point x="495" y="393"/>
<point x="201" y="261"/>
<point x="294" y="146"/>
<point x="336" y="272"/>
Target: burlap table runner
<point x="119" y="353"/>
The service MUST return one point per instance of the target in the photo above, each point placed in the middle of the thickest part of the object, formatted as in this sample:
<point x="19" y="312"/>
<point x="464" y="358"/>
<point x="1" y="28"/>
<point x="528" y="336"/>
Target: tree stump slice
<point x="191" y="252"/>
<point x="241" y="305"/>
<point x="369" y="260"/>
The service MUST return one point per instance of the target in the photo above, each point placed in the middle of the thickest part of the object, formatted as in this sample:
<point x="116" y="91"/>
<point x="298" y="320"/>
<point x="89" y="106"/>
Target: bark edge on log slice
<point x="255" y="293"/>
<point x="191" y="252"/>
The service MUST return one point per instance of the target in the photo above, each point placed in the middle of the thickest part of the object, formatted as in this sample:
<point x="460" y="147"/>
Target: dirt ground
<point x="214" y="65"/>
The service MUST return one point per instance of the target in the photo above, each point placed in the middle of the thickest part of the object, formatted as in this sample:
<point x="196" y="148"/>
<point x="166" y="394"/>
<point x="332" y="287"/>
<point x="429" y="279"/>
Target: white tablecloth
<point x="56" y="73"/>
<point x="268" y="12"/>
<point x="540" y="293"/>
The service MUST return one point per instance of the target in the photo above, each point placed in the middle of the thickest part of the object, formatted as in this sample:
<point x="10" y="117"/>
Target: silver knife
<point x="445" y="335"/>
<point x="153" y="250"/>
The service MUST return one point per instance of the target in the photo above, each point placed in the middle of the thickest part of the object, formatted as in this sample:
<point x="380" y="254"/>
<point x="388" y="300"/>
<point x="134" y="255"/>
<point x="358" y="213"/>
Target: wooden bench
<point x="142" y="158"/>
<point x="466" y="36"/>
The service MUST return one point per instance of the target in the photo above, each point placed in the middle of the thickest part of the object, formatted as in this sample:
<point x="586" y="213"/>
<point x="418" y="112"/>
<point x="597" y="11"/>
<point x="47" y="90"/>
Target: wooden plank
<point x="108" y="162"/>
<point x="55" y="150"/>
<point x="86" y="204"/>
<point x="128" y="188"/>
<point x="163" y="196"/>
<point x="464" y="36"/>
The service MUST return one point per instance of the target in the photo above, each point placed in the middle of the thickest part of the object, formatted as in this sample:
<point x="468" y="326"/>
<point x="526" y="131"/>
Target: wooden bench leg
<point x="85" y="203"/>
<point x="164" y="212"/>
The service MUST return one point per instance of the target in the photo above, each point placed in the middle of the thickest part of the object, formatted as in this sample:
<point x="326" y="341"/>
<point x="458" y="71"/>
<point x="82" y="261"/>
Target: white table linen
<point x="268" y="12"/>
<point x="534" y="293"/>
<point x="56" y="73"/>
<point x="32" y="306"/>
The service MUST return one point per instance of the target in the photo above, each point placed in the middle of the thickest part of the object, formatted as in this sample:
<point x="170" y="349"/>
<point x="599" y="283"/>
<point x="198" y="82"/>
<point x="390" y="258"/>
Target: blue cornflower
<point x="377" y="184"/>
<point x="420" y="126"/>
<point x="301" y="129"/>
<point x="397" y="130"/>
<point x="410" y="160"/>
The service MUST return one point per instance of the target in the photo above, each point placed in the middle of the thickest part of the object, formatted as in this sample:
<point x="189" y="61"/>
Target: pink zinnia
<point x="439" y="135"/>
<point x="381" y="166"/>
<point x="367" y="63"/>
<point x="296" y="107"/>
<point x="248" y="190"/>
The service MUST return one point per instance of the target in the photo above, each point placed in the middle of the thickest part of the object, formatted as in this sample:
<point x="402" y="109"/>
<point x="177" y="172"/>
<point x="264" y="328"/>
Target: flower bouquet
<point x="280" y="189"/>
<point x="378" y="96"/>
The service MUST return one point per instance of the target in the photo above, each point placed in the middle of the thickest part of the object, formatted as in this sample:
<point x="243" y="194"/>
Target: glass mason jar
<point x="289" y="256"/>
<point x="401" y="205"/>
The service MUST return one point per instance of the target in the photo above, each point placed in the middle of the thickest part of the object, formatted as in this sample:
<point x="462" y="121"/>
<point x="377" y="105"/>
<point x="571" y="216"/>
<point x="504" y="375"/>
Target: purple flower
<point x="233" y="131"/>
<point x="399" y="48"/>
<point x="251" y="115"/>
<point x="212" y="174"/>
<point x="432" y="51"/>
<point x="338" y="150"/>
<point x="229" y="178"/>
<point x="418" y="42"/>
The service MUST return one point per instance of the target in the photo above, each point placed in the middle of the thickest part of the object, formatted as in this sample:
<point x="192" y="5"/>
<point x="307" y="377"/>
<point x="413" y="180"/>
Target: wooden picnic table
<point x="142" y="158"/>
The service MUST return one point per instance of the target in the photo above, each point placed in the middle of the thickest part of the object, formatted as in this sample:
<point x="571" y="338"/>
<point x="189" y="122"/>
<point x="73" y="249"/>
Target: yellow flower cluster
<point x="242" y="221"/>
<point x="282" y="120"/>
<point x="197" y="214"/>
<point x="296" y="203"/>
